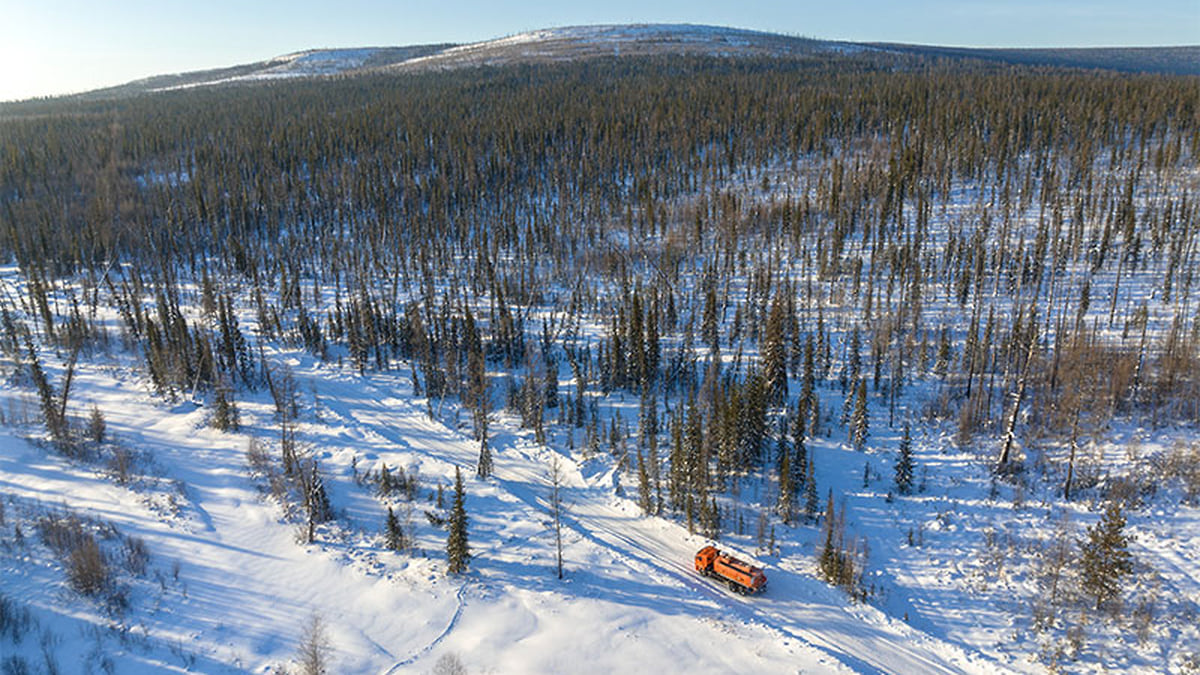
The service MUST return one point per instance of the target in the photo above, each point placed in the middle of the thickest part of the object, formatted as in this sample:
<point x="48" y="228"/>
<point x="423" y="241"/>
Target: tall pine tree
<point x="859" y="425"/>
<point x="774" y="355"/>
<point x="458" y="552"/>
<point x="811" y="499"/>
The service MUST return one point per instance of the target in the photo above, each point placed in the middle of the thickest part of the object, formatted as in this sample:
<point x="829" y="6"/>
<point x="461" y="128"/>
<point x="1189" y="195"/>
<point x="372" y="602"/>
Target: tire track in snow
<point x="863" y="646"/>
<point x="587" y="518"/>
<point x="663" y="563"/>
<point x="458" y="610"/>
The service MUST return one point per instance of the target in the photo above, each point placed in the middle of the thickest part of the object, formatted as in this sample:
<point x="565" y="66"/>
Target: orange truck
<point x="742" y="577"/>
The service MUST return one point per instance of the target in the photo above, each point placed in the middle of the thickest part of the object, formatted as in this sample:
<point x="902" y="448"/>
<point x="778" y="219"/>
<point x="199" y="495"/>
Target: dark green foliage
<point x="786" y="505"/>
<point x="1105" y="560"/>
<point x="225" y="415"/>
<point x="96" y="426"/>
<point x="483" y="468"/>
<point x="393" y="534"/>
<point x="477" y="395"/>
<point x="431" y="222"/>
<point x="859" y="419"/>
<point x="645" y="493"/>
<point x="811" y="499"/>
<point x="52" y="416"/>
<point x="841" y="560"/>
<point x="385" y="486"/>
<point x="458" y="552"/>
<point x="318" y="500"/>
<point x="774" y="355"/>
<point x="904" y="463"/>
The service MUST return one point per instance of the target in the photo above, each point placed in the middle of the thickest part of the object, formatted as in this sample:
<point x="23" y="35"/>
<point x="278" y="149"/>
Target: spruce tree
<point x="386" y="485"/>
<point x="714" y="520"/>
<point x="1106" y="559"/>
<point x="811" y="499"/>
<point x="904" y="464"/>
<point x="556" y="508"/>
<point x="477" y="396"/>
<point x="393" y="534"/>
<point x="774" y="355"/>
<point x="830" y="559"/>
<point x="316" y="502"/>
<point x="859" y="425"/>
<point x="458" y="552"/>
<point x="787" y="481"/>
<point x="810" y="407"/>
<point x="645" y="493"/>
<point x="225" y="412"/>
<point x="96" y="425"/>
<point x="484" y="468"/>
<point x="800" y="460"/>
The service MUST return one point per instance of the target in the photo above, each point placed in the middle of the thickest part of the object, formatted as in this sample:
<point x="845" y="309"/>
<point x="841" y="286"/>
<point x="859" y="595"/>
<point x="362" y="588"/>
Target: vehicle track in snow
<point x="835" y="637"/>
<point x="666" y="555"/>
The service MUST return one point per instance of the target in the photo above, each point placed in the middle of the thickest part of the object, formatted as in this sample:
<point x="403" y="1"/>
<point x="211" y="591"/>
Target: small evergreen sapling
<point x="904" y="464"/>
<point x="393" y="534"/>
<point x="1106" y="560"/>
<point x="97" y="427"/>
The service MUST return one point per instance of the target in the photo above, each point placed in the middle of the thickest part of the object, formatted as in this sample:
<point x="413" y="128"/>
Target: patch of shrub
<point x="1181" y="463"/>
<point x="15" y="620"/>
<point x="120" y="465"/>
<point x="137" y="556"/>
<point x="87" y="567"/>
<point x="62" y="533"/>
<point x="15" y="665"/>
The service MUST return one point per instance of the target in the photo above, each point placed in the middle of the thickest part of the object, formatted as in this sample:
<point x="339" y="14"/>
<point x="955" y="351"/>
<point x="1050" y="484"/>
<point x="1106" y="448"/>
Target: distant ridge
<point x="1177" y="60"/>
<point x="571" y="43"/>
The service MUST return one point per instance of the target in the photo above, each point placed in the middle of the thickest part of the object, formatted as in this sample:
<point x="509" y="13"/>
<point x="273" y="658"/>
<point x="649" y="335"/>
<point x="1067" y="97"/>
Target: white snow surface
<point x="571" y="42"/>
<point x="630" y="601"/>
<point x="232" y="588"/>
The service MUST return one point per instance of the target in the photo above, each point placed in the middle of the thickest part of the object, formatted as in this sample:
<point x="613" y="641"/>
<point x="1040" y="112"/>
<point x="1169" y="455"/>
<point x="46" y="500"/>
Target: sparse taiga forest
<point x="913" y="327"/>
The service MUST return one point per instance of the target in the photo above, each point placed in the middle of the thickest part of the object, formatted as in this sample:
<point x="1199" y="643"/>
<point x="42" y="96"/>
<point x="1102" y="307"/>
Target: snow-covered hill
<point x="579" y="42"/>
<point x="583" y="42"/>
<point x="554" y="44"/>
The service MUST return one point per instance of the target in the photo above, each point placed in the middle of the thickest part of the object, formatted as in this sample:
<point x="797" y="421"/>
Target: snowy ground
<point x="238" y="587"/>
<point x="243" y="586"/>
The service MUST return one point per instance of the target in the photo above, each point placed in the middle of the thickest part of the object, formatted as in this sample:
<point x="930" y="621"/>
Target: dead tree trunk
<point x="1018" y="396"/>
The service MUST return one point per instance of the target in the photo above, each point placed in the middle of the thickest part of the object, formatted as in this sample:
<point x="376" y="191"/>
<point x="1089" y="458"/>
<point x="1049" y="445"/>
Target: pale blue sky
<point x="60" y="46"/>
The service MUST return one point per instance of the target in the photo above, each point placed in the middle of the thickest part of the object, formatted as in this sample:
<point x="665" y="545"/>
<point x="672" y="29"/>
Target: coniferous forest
<point x="784" y="303"/>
